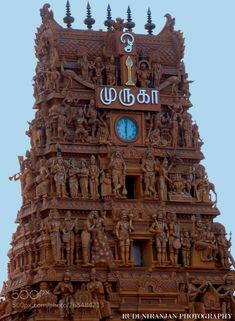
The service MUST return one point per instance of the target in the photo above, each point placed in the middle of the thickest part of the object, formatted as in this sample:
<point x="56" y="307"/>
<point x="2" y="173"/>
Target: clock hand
<point x="126" y="127"/>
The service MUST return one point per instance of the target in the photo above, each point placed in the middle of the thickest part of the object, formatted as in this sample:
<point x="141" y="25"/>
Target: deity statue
<point x="173" y="238"/>
<point x="101" y="252"/>
<point x="94" y="173"/>
<point x="61" y="126"/>
<point x="159" y="229"/>
<point x="43" y="180"/>
<point x="60" y="177"/>
<point x="194" y="294"/>
<point x="148" y="166"/>
<point x="84" y="175"/>
<point x="53" y="80"/>
<point x="27" y="179"/>
<point x="226" y="293"/>
<point x="223" y="247"/>
<point x="98" y="68"/>
<point x="163" y="170"/>
<point x="97" y="290"/>
<point x="68" y="238"/>
<point x="81" y="133"/>
<point x="144" y="74"/>
<point x="106" y="185"/>
<point x="157" y="71"/>
<point x="92" y="115"/>
<point x="123" y="229"/>
<point x="204" y="240"/>
<point x="54" y="226"/>
<point x="73" y="173"/>
<point x="187" y="128"/>
<point x="83" y="64"/>
<point x="111" y="71"/>
<point x="118" y="168"/>
<point x="86" y="239"/>
<point x="186" y="248"/>
<point x="65" y="290"/>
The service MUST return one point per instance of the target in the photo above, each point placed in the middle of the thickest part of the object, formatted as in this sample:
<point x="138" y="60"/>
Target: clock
<point x="126" y="129"/>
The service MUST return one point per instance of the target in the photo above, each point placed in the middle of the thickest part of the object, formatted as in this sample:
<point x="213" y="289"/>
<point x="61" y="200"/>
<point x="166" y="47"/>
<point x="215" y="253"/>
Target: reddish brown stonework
<point x="118" y="212"/>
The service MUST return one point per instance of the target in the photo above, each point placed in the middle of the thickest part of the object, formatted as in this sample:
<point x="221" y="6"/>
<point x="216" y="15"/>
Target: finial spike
<point x="89" y="21"/>
<point x="109" y="22"/>
<point x="149" y="25"/>
<point x="68" y="19"/>
<point x="129" y="24"/>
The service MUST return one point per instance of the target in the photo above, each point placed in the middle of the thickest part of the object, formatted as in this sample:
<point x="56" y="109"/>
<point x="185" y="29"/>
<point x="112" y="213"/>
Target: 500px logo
<point x="25" y="294"/>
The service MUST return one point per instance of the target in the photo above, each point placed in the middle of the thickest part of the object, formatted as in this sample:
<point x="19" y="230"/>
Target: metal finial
<point x="149" y="25"/>
<point x="129" y="24"/>
<point x="109" y="22"/>
<point x="89" y="21"/>
<point x="68" y="19"/>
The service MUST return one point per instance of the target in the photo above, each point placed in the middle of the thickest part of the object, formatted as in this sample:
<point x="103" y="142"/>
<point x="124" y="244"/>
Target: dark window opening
<point x="138" y="253"/>
<point x="133" y="187"/>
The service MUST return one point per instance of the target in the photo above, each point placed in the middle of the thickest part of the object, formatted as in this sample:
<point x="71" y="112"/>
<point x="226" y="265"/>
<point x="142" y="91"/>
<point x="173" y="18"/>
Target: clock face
<point x="127" y="129"/>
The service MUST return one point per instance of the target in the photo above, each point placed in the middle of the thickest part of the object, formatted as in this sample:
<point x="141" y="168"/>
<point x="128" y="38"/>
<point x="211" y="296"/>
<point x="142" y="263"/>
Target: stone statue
<point x="86" y="239"/>
<point x="143" y="74"/>
<point x="53" y="80"/>
<point x="187" y="129"/>
<point x="27" y="179"/>
<point x="97" y="290"/>
<point x="226" y="293"/>
<point x="53" y="226"/>
<point x="101" y="252"/>
<point x="98" y="68"/>
<point x="60" y="177"/>
<point x="94" y="173"/>
<point x="159" y="229"/>
<point x="194" y="293"/>
<point x="83" y="181"/>
<point x="110" y="69"/>
<point x="118" y="169"/>
<point x="83" y="64"/>
<point x="123" y="229"/>
<point x="173" y="238"/>
<point x="65" y="290"/>
<point x="105" y="185"/>
<point x="204" y="240"/>
<point x="157" y="71"/>
<point x="68" y="238"/>
<point x="163" y="170"/>
<point x="148" y="166"/>
<point x="81" y="133"/>
<point x="186" y="248"/>
<point x="223" y="247"/>
<point x="73" y="173"/>
<point x="43" y="180"/>
<point x="92" y="115"/>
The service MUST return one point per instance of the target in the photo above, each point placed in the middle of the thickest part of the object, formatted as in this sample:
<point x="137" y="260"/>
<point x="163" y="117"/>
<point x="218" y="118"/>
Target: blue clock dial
<point x="126" y="129"/>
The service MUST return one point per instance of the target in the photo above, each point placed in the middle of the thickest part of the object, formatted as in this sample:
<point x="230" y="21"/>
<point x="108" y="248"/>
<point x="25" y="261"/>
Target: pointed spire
<point x="68" y="19"/>
<point x="89" y="21"/>
<point x="109" y="22"/>
<point x="129" y="24"/>
<point x="149" y="25"/>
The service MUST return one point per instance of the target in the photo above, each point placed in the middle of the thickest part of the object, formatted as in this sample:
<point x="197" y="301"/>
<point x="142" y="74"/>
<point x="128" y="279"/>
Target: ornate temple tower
<point x="118" y="212"/>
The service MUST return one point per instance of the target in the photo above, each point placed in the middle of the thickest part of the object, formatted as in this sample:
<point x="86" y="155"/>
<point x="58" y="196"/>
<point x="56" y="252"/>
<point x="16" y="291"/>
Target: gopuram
<point x="118" y="213"/>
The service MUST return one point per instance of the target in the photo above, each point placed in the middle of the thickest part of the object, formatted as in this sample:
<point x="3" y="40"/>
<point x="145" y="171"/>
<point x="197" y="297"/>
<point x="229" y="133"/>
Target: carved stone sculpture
<point x="148" y="166"/>
<point x="123" y="229"/>
<point x="118" y="167"/>
<point x="97" y="290"/>
<point x="160" y="230"/>
<point x="65" y="290"/>
<point x="173" y="238"/>
<point x="94" y="173"/>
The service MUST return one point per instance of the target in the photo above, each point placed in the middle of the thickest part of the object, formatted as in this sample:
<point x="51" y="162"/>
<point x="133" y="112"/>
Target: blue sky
<point x="209" y="59"/>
